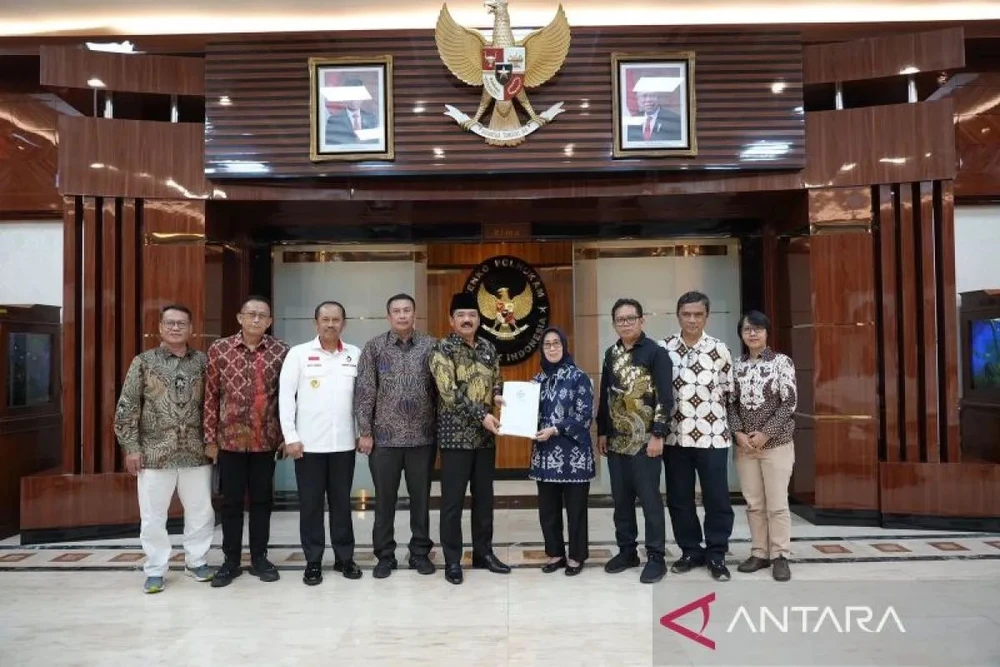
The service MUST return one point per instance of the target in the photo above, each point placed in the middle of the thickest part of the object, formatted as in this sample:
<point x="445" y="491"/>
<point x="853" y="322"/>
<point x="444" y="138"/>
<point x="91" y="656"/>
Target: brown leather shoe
<point x="780" y="570"/>
<point x="753" y="564"/>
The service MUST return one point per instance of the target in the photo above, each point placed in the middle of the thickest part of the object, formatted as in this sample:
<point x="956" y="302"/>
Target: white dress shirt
<point x="316" y="397"/>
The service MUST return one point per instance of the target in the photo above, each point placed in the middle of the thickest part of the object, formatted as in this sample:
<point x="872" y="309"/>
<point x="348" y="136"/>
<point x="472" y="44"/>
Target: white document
<point x="519" y="413"/>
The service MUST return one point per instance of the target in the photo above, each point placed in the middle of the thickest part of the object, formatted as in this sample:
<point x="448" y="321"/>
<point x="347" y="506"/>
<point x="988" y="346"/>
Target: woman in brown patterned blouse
<point x="762" y="418"/>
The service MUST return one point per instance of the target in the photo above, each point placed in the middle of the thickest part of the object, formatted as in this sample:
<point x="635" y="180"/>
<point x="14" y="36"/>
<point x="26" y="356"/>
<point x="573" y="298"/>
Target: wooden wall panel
<point x="947" y="303"/>
<point x="884" y="144"/>
<point x="52" y="502"/>
<point x="941" y="489"/>
<point x="72" y="320"/>
<point x="28" y="156"/>
<point x="977" y="134"/>
<point x="891" y="391"/>
<point x="448" y="266"/>
<point x="918" y="327"/>
<point x="884" y="56"/>
<point x="131" y="158"/>
<point x="263" y="125"/>
<point x="76" y="67"/>
<point x="173" y="265"/>
<point x="91" y="342"/>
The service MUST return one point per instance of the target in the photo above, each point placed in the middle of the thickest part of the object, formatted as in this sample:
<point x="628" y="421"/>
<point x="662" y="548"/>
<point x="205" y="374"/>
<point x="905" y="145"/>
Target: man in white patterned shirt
<point x="698" y="440"/>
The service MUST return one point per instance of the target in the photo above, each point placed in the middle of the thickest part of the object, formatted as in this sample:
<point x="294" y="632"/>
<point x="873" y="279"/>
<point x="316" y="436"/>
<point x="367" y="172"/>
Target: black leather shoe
<point x="313" y="576"/>
<point x="453" y="573"/>
<point x="264" y="570"/>
<point x="551" y="567"/>
<point x="621" y="562"/>
<point x="685" y="564"/>
<point x="422" y="564"/>
<point x="753" y="564"/>
<point x="225" y="574"/>
<point x="492" y="563"/>
<point x="349" y="568"/>
<point x="384" y="568"/>
<point x="573" y="570"/>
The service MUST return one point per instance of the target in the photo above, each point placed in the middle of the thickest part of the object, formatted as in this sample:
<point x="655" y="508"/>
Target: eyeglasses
<point x="553" y="345"/>
<point x="254" y="315"/>
<point x="175" y="324"/>
<point x="626" y="321"/>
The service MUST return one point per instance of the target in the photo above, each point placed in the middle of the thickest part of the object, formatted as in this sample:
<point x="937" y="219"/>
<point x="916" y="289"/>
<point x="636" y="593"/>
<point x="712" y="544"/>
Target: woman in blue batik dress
<point x="562" y="454"/>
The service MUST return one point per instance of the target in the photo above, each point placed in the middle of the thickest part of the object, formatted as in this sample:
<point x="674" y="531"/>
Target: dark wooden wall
<point x="265" y="118"/>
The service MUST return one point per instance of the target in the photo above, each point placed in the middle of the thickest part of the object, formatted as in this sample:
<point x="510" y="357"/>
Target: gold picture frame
<point x="351" y="109"/>
<point x="653" y="109"/>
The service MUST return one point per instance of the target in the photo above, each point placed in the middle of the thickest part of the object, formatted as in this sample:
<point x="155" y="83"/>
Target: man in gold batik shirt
<point x="466" y="371"/>
<point x="635" y="399"/>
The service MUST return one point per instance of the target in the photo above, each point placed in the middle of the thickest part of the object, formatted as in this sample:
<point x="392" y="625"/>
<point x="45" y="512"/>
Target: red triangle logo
<point x="668" y="620"/>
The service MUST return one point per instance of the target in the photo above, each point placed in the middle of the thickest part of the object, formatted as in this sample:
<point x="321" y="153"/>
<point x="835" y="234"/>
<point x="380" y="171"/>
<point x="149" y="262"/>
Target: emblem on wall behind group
<point x="513" y="306"/>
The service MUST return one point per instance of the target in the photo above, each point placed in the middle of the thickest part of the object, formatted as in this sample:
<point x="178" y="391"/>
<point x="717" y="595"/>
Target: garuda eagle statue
<point x="505" y="68"/>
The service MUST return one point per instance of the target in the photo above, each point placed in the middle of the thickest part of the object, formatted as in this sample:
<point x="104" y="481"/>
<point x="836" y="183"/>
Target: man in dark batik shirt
<point x="394" y="407"/>
<point x="466" y="370"/>
<point x="635" y="400"/>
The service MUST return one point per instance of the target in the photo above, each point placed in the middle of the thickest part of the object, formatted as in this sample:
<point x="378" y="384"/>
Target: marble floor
<point x="81" y="604"/>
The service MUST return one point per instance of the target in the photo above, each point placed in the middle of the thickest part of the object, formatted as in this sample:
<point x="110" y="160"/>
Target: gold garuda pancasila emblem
<point x="504" y="68"/>
<point x="504" y="311"/>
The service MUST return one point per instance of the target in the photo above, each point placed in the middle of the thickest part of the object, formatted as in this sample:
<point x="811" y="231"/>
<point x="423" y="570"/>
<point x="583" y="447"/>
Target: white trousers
<point x="156" y="489"/>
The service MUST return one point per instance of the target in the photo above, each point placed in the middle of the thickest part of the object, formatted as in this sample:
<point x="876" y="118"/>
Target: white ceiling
<point x="149" y="17"/>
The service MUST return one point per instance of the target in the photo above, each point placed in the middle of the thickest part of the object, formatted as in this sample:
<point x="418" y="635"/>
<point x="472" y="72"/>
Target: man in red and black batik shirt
<point x="242" y="432"/>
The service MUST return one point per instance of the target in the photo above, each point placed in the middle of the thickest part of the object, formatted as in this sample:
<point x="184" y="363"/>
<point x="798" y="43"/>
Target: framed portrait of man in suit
<point x="654" y="105"/>
<point x="350" y="109"/>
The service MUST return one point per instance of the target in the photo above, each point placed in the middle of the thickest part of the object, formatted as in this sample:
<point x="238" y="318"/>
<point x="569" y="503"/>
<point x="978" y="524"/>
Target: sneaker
<point x="349" y="569"/>
<point x="685" y="564"/>
<point x="621" y="562"/>
<point x="753" y="564"/>
<point x="654" y="570"/>
<point x="719" y="570"/>
<point x="780" y="570"/>
<point x="384" y="567"/>
<point x="313" y="576"/>
<point x="264" y="570"/>
<point x="225" y="574"/>
<point x="201" y="573"/>
<point x="154" y="585"/>
<point x="422" y="564"/>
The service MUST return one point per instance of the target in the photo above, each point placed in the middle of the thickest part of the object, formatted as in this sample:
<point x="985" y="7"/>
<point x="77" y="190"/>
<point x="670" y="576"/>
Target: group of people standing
<point x="406" y="396"/>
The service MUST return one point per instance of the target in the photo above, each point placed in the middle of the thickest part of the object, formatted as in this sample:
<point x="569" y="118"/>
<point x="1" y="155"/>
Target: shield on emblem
<point x="503" y="71"/>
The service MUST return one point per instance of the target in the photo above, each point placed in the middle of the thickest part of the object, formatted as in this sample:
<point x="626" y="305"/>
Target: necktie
<point x="356" y="120"/>
<point x="647" y="129"/>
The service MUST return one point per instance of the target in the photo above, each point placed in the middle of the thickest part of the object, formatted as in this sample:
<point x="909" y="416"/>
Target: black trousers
<point x="325" y="480"/>
<point x="243" y="474"/>
<point x="632" y="477"/>
<point x="552" y="497"/>
<point x="460" y="469"/>
<point x="387" y="465"/>
<point x="711" y="466"/>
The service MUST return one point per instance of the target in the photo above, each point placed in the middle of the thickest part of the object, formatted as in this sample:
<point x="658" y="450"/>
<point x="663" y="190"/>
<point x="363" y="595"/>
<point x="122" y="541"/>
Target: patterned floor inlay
<point x="865" y="547"/>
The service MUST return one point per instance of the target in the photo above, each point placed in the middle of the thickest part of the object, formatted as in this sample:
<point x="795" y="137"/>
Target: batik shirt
<point x="159" y="412"/>
<point x="765" y="397"/>
<point x="635" y="395"/>
<point x="703" y="384"/>
<point x="566" y="401"/>
<point x="394" y="394"/>
<point x="241" y="394"/>
<point x="467" y="378"/>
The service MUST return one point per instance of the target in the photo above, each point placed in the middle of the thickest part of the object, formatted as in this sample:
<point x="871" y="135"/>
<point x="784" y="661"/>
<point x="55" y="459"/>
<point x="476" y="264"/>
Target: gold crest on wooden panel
<point x="505" y="68"/>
